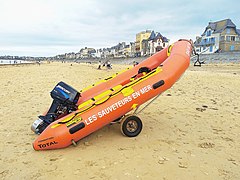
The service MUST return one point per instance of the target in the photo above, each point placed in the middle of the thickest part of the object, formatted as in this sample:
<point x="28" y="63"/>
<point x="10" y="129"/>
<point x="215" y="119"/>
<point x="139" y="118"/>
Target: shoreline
<point x="18" y="64"/>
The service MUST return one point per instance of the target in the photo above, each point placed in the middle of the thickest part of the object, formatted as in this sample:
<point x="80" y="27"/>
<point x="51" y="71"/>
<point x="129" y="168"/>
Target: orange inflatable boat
<point x="74" y="115"/>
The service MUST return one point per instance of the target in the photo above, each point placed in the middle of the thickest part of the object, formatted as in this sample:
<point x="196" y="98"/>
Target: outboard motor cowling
<point x="65" y="93"/>
<point x="65" y="100"/>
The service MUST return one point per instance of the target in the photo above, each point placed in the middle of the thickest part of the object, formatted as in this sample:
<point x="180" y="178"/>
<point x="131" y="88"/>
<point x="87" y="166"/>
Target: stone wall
<point x="225" y="46"/>
<point x="225" y="57"/>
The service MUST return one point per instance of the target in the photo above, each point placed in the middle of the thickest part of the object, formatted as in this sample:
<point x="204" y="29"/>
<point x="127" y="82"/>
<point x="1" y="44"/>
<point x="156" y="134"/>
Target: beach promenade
<point x="190" y="132"/>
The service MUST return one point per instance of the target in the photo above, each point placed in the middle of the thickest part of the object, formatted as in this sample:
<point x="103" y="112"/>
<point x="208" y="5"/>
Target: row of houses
<point x="147" y="43"/>
<point x="82" y="54"/>
<point x="219" y="36"/>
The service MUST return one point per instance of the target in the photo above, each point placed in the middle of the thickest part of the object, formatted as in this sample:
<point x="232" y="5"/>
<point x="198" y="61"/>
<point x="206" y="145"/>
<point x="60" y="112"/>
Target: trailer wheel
<point x="131" y="125"/>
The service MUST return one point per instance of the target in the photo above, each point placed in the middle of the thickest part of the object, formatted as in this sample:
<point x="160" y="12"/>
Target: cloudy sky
<point x="50" y="27"/>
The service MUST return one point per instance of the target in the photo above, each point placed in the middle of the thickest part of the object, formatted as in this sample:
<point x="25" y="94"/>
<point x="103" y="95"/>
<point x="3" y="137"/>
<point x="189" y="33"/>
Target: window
<point x="228" y="30"/>
<point x="232" y="38"/>
<point x="232" y="48"/>
<point x="222" y="38"/>
<point x="228" y="38"/>
<point x="209" y="33"/>
<point x="210" y="49"/>
<point x="212" y="40"/>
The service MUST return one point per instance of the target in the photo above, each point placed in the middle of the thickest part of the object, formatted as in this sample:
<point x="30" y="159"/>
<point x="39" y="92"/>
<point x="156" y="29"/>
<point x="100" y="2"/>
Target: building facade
<point x="144" y="35"/>
<point x="87" y="52"/>
<point x="156" y="42"/>
<point x="149" y="42"/>
<point x="219" y="36"/>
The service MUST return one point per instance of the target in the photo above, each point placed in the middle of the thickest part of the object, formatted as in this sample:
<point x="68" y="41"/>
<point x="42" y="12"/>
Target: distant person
<point x="135" y="63"/>
<point x="99" y="64"/>
<point x="109" y="65"/>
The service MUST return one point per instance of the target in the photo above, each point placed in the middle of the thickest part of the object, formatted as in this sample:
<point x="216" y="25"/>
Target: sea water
<point x="4" y="61"/>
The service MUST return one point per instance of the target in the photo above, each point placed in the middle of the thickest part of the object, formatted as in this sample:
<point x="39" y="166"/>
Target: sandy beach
<point x="190" y="132"/>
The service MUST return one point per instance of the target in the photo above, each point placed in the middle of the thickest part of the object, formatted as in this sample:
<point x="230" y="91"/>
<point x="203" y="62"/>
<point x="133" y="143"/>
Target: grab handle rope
<point x="108" y="97"/>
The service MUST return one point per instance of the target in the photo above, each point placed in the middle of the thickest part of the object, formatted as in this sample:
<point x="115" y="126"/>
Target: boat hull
<point x="166" y="69"/>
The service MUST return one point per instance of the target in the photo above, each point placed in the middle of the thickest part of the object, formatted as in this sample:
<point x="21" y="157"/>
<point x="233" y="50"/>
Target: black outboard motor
<point x="64" y="102"/>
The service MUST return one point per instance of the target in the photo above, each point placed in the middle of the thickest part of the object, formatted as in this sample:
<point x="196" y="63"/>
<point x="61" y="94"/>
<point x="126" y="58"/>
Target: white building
<point x="220" y="36"/>
<point x="156" y="42"/>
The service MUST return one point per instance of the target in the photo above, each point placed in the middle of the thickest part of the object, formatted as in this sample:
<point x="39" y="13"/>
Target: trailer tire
<point x="131" y="125"/>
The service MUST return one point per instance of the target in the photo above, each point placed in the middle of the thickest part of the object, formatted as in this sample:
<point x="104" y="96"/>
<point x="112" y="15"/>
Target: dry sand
<point x="191" y="132"/>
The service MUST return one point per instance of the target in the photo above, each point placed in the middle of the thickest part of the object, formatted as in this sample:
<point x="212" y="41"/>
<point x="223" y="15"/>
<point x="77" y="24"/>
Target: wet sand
<point x="190" y="132"/>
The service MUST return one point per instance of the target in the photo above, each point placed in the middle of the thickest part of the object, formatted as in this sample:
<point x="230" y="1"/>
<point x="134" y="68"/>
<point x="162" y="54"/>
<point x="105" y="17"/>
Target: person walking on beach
<point x="99" y="64"/>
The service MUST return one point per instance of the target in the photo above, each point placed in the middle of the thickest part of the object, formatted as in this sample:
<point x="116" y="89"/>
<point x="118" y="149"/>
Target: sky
<point x="50" y="27"/>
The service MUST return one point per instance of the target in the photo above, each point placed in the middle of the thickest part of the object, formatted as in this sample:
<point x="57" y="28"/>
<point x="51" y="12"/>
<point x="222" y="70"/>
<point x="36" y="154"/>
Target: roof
<point x="158" y="36"/>
<point x="220" y="26"/>
<point x="165" y="39"/>
<point x="152" y="36"/>
<point x="238" y="31"/>
<point x="211" y="25"/>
